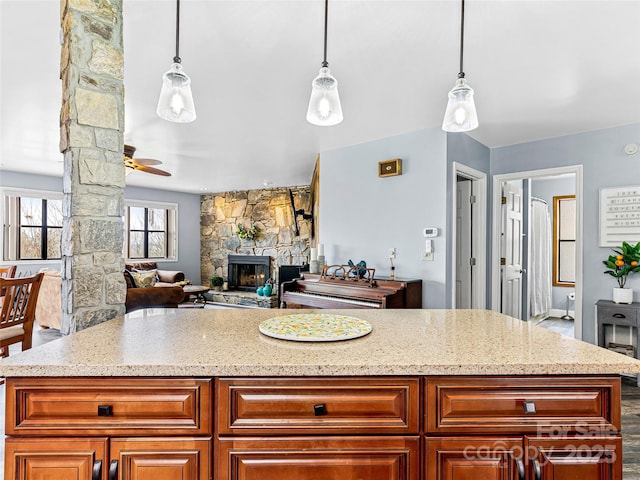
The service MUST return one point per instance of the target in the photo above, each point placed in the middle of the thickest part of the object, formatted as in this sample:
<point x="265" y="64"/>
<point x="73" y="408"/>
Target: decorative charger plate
<point x="315" y="327"/>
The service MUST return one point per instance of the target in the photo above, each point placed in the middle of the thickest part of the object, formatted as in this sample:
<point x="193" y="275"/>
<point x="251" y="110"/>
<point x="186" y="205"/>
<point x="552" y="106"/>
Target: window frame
<point x="11" y="224"/>
<point x="171" y="229"/>
<point x="557" y="241"/>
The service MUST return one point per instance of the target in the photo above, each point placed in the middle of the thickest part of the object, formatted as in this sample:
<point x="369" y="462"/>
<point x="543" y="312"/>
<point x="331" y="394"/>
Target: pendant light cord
<point x="177" y="59"/>
<point x="326" y="14"/>
<point x="461" y="73"/>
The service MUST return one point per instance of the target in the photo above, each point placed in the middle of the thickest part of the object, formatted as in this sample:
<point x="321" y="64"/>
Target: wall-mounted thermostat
<point x="431" y="232"/>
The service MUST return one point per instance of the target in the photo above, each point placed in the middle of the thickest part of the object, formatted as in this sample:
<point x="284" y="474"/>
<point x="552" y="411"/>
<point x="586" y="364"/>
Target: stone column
<point x="91" y="139"/>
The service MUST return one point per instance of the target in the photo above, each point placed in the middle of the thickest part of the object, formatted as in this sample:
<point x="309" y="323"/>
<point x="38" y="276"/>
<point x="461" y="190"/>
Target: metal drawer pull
<point x="320" y="410"/>
<point x="529" y="408"/>
<point x="97" y="470"/>
<point x="520" y="465"/>
<point x="619" y="315"/>
<point x="105" y="410"/>
<point x="537" y="472"/>
<point x="113" y="470"/>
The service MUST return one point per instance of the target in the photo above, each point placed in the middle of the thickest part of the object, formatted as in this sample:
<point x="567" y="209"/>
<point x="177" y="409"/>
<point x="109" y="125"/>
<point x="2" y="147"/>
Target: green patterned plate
<point x="315" y="327"/>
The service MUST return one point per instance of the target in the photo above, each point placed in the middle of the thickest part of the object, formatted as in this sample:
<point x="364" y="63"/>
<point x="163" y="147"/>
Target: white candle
<point x="320" y="249"/>
<point x="314" y="254"/>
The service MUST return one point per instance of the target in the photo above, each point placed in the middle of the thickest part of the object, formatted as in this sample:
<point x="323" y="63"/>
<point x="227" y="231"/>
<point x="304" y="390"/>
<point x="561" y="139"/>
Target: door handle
<point x="619" y="315"/>
<point x="113" y="470"/>
<point x="520" y="465"/>
<point x="537" y="472"/>
<point x="320" y="410"/>
<point x="97" y="470"/>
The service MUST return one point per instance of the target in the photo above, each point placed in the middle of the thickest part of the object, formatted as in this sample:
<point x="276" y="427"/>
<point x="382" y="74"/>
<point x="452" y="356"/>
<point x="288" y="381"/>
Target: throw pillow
<point x="144" y="278"/>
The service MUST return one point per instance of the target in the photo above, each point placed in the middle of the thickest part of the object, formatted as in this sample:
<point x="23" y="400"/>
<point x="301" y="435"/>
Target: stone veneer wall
<point x="268" y="209"/>
<point x="91" y="126"/>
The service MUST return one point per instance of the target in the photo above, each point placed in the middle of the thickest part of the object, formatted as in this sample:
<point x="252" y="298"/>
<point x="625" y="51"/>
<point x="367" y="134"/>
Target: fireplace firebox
<point x="248" y="272"/>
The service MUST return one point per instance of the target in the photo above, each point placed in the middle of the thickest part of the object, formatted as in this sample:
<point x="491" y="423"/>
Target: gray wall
<point x="188" y="220"/>
<point x="604" y="165"/>
<point x="463" y="149"/>
<point x="363" y="215"/>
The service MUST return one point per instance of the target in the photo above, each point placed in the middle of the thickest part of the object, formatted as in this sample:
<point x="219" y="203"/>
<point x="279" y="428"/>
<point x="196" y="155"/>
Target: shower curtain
<point x="540" y="258"/>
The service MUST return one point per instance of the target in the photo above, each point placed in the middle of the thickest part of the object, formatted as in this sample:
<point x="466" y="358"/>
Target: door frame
<point x="495" y="248"/>
<point x="479" y="241"/>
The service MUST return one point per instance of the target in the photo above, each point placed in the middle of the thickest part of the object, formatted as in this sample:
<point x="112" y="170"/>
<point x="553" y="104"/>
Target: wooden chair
<point x="6" y="272"/>
<point x="18" y="311"/>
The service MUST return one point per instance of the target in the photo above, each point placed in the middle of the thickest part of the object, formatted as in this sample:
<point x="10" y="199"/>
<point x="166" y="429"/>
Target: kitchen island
<point x="427" y="395"/>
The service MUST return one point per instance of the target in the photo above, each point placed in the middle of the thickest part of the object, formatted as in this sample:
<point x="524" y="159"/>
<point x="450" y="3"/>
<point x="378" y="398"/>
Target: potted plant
<point x="625" y="261"/>
<point x="216" y="283"/>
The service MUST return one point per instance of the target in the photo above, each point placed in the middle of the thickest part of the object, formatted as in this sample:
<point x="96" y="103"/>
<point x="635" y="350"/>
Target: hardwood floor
<point x="630" y="406"/>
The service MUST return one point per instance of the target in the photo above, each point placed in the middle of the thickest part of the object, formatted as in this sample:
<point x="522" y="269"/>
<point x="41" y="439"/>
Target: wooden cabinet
<point x="56" y="458"/>
<point x="161" y="458"/>
<point x="314" y="428"/>
<point x="345" y="406"/>
<point x="310" y="458"/>
<point x="318" y="428"/>
<point x="125" y="428"/>
<point x="542" y="428"/>
<point x="477" y="458"/>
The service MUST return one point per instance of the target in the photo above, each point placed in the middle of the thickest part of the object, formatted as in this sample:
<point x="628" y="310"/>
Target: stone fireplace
<point x="248" y="272"/>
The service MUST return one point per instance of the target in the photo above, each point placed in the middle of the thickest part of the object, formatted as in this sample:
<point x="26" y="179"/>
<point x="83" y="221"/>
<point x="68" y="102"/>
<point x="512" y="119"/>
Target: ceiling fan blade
<point x="155" y="171"/>
<point x="146" y="161"/>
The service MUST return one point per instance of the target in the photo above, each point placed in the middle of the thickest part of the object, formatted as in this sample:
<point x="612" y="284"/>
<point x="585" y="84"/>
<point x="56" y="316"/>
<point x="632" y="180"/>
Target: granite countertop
<point x="226" y="342"/>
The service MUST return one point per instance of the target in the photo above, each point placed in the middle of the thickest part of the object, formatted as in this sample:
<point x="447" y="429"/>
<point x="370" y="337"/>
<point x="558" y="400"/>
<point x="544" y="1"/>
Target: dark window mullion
<point x="43" y="229"/>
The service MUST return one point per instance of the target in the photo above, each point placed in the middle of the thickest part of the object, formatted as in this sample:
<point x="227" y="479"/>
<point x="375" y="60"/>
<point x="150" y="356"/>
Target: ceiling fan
<point x="142" y="164"/>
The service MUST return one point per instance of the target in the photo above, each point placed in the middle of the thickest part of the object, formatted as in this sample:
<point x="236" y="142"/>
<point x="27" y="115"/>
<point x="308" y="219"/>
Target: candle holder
<point x="314" y="266"/>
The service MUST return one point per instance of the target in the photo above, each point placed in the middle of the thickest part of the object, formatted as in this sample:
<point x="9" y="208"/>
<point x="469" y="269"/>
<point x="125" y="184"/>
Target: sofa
<point x="159" y="290"/>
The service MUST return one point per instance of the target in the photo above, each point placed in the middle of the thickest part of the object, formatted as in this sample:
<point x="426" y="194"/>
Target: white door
<point x="463" y="244"/>
<point x="511" y="256"/>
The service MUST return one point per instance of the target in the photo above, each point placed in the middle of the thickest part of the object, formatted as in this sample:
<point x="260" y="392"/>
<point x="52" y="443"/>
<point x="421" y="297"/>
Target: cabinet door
<point x="160" y="458"/>
<point x="474" y="458"/>
<point x="55" y="459"/>
<point x="318" y="458"/>
<point x="584" y="458"/>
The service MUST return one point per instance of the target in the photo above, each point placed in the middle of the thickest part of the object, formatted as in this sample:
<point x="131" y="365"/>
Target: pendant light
<point x="461" y="115"/>
<point x="324" y="105"/>
<point x="176" y="101"/>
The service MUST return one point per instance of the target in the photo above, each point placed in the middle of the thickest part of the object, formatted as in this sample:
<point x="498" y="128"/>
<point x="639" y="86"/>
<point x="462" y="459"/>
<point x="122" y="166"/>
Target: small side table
<point x="613" y="314"/>
<point x="196" y="291"/>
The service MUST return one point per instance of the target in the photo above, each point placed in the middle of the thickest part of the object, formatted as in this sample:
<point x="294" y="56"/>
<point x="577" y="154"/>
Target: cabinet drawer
<point x="326" y="457"/>
<point x="498" y="404"/>
<point x="310" y="406"/>
<point x="95" y="406"/>
<point x="618" y="315"/>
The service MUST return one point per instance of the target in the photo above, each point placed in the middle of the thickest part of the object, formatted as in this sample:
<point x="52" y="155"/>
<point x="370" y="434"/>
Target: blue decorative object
<point x="361" y="271"/>
<point x="266" y="290"/>
<point x="260" y="291"/>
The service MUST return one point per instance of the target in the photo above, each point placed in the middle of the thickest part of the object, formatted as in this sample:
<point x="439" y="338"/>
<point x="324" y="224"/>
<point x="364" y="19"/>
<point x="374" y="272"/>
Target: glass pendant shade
<point x="324" y="105"/>
<point x="461" y="115"/>
<point x="176" y="101"/>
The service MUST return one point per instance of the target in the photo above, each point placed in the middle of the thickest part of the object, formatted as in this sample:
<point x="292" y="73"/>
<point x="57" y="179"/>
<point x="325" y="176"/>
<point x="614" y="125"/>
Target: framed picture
<point x="389" y="168"/>
<point x="619" y="215"/>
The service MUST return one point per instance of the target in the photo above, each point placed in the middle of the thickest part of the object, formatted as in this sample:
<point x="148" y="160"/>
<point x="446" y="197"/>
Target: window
<point x="564" y="241"/>
<point x="150" y="230"/>
<point x="32" y="222"/>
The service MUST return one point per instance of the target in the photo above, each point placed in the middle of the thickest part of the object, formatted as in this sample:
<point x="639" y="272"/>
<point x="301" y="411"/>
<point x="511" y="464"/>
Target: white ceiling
<point x="540" y="69"/>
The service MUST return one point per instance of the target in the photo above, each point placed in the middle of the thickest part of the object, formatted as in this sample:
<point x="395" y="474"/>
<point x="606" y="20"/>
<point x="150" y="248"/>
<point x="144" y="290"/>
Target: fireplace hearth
<point x="248" y="272"/>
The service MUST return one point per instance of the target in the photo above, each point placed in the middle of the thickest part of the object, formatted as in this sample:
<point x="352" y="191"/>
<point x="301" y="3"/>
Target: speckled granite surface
<point x="225" y="342"/>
